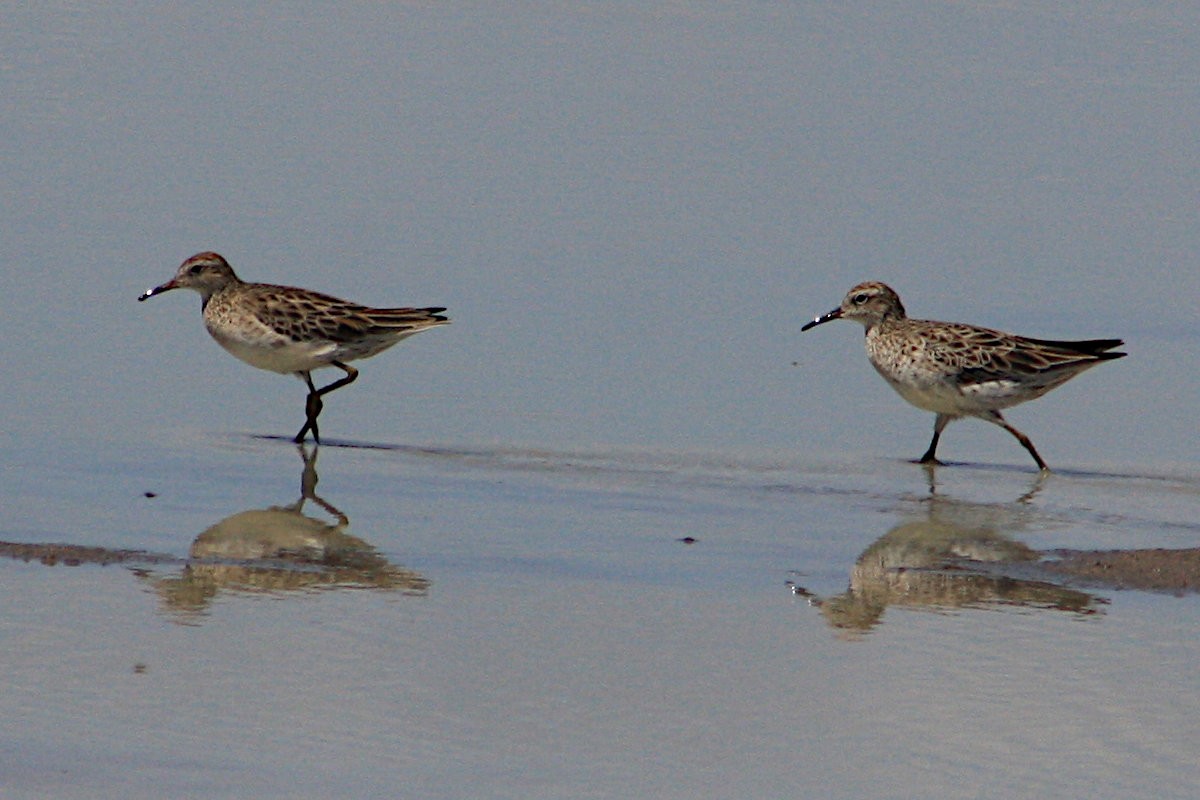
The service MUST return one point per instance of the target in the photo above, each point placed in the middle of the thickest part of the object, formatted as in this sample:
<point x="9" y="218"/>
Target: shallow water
<point x="531" y="623"/>
<point x="620" y="530"/>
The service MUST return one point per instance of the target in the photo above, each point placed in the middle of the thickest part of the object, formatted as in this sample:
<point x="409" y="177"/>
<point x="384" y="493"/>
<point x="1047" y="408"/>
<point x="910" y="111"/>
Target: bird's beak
<point x="166" y="287"/>
<point x="821" y="320"/>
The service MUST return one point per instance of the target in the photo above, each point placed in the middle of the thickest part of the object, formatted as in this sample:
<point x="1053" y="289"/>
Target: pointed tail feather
<point x="1097" y="348"/>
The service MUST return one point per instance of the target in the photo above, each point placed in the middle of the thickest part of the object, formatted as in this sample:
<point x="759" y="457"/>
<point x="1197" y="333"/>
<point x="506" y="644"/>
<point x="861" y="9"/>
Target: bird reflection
<point x="280" y="548"/>
<point x="954" y="555"/>
<point x="1035" y="486"/>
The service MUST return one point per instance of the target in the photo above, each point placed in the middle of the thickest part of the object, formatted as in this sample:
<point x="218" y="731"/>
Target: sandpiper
<point x="957" y="370"/>
<point x="290" y="330"/>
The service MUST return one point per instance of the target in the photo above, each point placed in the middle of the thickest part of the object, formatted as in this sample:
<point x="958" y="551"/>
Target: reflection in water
<point x="940" y="561"/>
<point x="1035" y="486"/>
<point x="280" y="549"/>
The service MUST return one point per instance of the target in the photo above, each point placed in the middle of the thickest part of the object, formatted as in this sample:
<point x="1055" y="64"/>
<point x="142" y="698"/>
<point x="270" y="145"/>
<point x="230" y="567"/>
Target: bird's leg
<point x="351" y="374"/>
<point x="939" y="425"/>
<point x="929" y="457"/>
<point x="313" y="404"/>
<point x="1022" y="438"/>
<point x="312" y="408"/>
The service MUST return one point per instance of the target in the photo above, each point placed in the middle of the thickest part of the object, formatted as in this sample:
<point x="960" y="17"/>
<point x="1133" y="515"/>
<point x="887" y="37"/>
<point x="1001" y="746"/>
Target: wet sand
<point x="1155" y="570"/>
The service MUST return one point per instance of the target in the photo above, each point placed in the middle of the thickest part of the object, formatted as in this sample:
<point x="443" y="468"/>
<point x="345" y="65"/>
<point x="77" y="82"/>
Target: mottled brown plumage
<point x="957" y="370"/>
<point x="291" y="330"/>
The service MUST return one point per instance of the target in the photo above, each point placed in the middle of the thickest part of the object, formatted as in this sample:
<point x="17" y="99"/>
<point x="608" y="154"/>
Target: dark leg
<point x="351" y="374"/>
<point x="312" y="407"/>
<point x="939" y="425"/>
<point x="313" y="403"/>
<point x="1022" y="438"/>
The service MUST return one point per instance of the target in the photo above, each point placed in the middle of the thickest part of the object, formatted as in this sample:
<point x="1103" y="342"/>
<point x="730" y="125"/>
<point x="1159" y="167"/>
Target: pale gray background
<point x="629" y="208"/>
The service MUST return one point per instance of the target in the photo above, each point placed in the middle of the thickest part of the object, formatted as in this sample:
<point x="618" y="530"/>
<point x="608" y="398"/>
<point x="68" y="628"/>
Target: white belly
<point x="278" y="354"/>
<point x="946" y="396"/>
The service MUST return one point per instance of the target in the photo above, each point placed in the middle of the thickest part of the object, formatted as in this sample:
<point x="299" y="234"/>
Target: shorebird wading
<point x="289" y="330"/>
<point x="957" y="370"/>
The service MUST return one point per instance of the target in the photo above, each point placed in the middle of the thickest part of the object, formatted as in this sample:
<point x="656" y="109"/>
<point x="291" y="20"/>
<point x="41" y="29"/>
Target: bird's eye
<point x="859" y="298"/>
<point x="196" y="269"/>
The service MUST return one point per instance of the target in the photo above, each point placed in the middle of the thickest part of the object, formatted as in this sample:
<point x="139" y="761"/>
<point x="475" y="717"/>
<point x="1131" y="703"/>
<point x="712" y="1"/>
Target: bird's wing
<point x="303" y="315"/>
